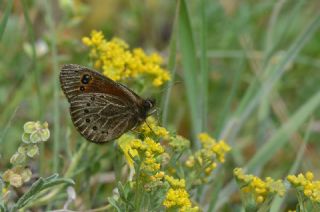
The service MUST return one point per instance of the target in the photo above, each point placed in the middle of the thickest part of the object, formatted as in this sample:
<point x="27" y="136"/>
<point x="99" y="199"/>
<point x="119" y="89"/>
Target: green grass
<point x="190" y="67"/>
<point x="4" y="20"/>
<point x="244" y="72"/>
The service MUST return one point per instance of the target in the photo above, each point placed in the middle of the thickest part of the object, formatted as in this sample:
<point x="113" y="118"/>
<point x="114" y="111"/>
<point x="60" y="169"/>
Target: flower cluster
<point x="119" y="63"/>
<point x="179" y="143"/>
<point x="144" y="153"/>
<point x="148" y="159"/>
<point x="218" y="148"/>
<point x="207" y="157"/>
<point x="256" y="188"/>
<point x="34" y="134"/>
<point x="17" y="176"/>
<point x="177" y="197"/>
<point x="150" y="127"/>
<point x="304" y="183"/>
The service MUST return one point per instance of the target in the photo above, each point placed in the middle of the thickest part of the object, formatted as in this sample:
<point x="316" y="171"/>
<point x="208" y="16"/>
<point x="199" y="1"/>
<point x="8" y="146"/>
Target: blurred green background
<point x="241" y="71"/>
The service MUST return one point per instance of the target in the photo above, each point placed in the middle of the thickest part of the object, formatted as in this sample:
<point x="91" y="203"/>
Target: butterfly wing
<point x="101" y="117"/>
<point x="101" y="109"/>
<point x="76" y="79"/>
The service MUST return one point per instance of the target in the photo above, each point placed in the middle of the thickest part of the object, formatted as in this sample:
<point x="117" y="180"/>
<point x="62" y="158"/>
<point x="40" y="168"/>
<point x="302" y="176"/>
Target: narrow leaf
<point x="5" y="17"/>
<point x="188" y="52"/>
<point x="26" y="197"/>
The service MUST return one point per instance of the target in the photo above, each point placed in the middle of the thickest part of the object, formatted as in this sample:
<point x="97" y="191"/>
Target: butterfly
<point x="100" y="108"/>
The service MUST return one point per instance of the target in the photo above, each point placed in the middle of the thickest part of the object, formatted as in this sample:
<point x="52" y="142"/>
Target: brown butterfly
<point x="101" y="109"/>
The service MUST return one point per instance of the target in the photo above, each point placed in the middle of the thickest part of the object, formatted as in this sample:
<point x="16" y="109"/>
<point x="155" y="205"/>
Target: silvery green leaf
<point x="2" y="207"/>
<point x="25" y="138"/>
<point x="18" y="158"/>
<point x="26" y="174"/>
<point x="22" y="149"/>
<point x="114" y="203"/>
<point x="29" y="195"/>
<point x="32" y="150"/>
<point x="16" y="180"/>
<point x="45" y="134"/>
<point x="6" y="175"/>
<point x="29" y="127"/>
<point x="35" y="137"/>
<point x="39" y="186"/>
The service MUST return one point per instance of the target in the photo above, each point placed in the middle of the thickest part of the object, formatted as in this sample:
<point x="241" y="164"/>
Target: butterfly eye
<point x="85" y="79"/>
<point x="152" y="102"/>
<point x="149" y="103"/>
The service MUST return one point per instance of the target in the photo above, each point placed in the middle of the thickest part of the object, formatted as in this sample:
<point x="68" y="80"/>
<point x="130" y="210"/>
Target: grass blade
<point x="280" y="138"/>
<point x="5" y="17"/>
<point x="187" y="48"/>
<point x="278" y="201"/>
<point x="263" y="91"/>
<point x="171" y="67"/>
<point x="252" y="98"/>
<point x="56" y="87"/>
<point x="283" y="134"/>
<point x="204" y="65"/>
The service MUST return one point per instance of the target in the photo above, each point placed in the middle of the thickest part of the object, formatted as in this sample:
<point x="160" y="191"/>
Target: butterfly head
<point x="148" y="107"/>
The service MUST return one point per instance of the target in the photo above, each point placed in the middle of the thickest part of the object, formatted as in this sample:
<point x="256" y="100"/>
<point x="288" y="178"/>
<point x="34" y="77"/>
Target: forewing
<point x="100" y="117"/>
<point x="76" y="79"/>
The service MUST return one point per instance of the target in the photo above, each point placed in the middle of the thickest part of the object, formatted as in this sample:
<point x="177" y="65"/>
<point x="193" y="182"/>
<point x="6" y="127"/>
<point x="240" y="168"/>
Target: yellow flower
<point x="306" y="184"/>
<point x="205" y="137"/>
<point x="177" y="198"/>
<point x="175" y="183"/>
<point x="275" y="186"/>
<point x="146" y="152"/>
<point x="118" y="62"/>
<point x="158" y="176"/>
<point x="259" y="188"/>
<point x="153" y="146"/>
<point x="205" y="160"/>
<point x="309" y="176"/>
<point x="210" y="168"/>
<point x="260" y="199"/>
<point x="190" y="162"/>
<point x="128" y="145"/>
<point x="151" y="127"/>
<point x="179" y="143"/>
<point x="221" y="148"/>
<point x="218" y="148"/>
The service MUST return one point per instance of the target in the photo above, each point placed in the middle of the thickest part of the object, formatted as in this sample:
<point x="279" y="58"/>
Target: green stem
<point x="204" y="65"/>
<point x="171" y="67"/>
<point x="69" y="173"/>
<point x="56" y="87"/>
<point x="5" y="17"/>
<point x="138" y="191"/>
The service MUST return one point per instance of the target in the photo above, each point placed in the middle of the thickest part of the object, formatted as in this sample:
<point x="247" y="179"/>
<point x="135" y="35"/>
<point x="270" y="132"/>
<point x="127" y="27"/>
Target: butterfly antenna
<point x="137" y="132"/>
<point x="150" y="128"/>
<point x="161" y="91"/>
